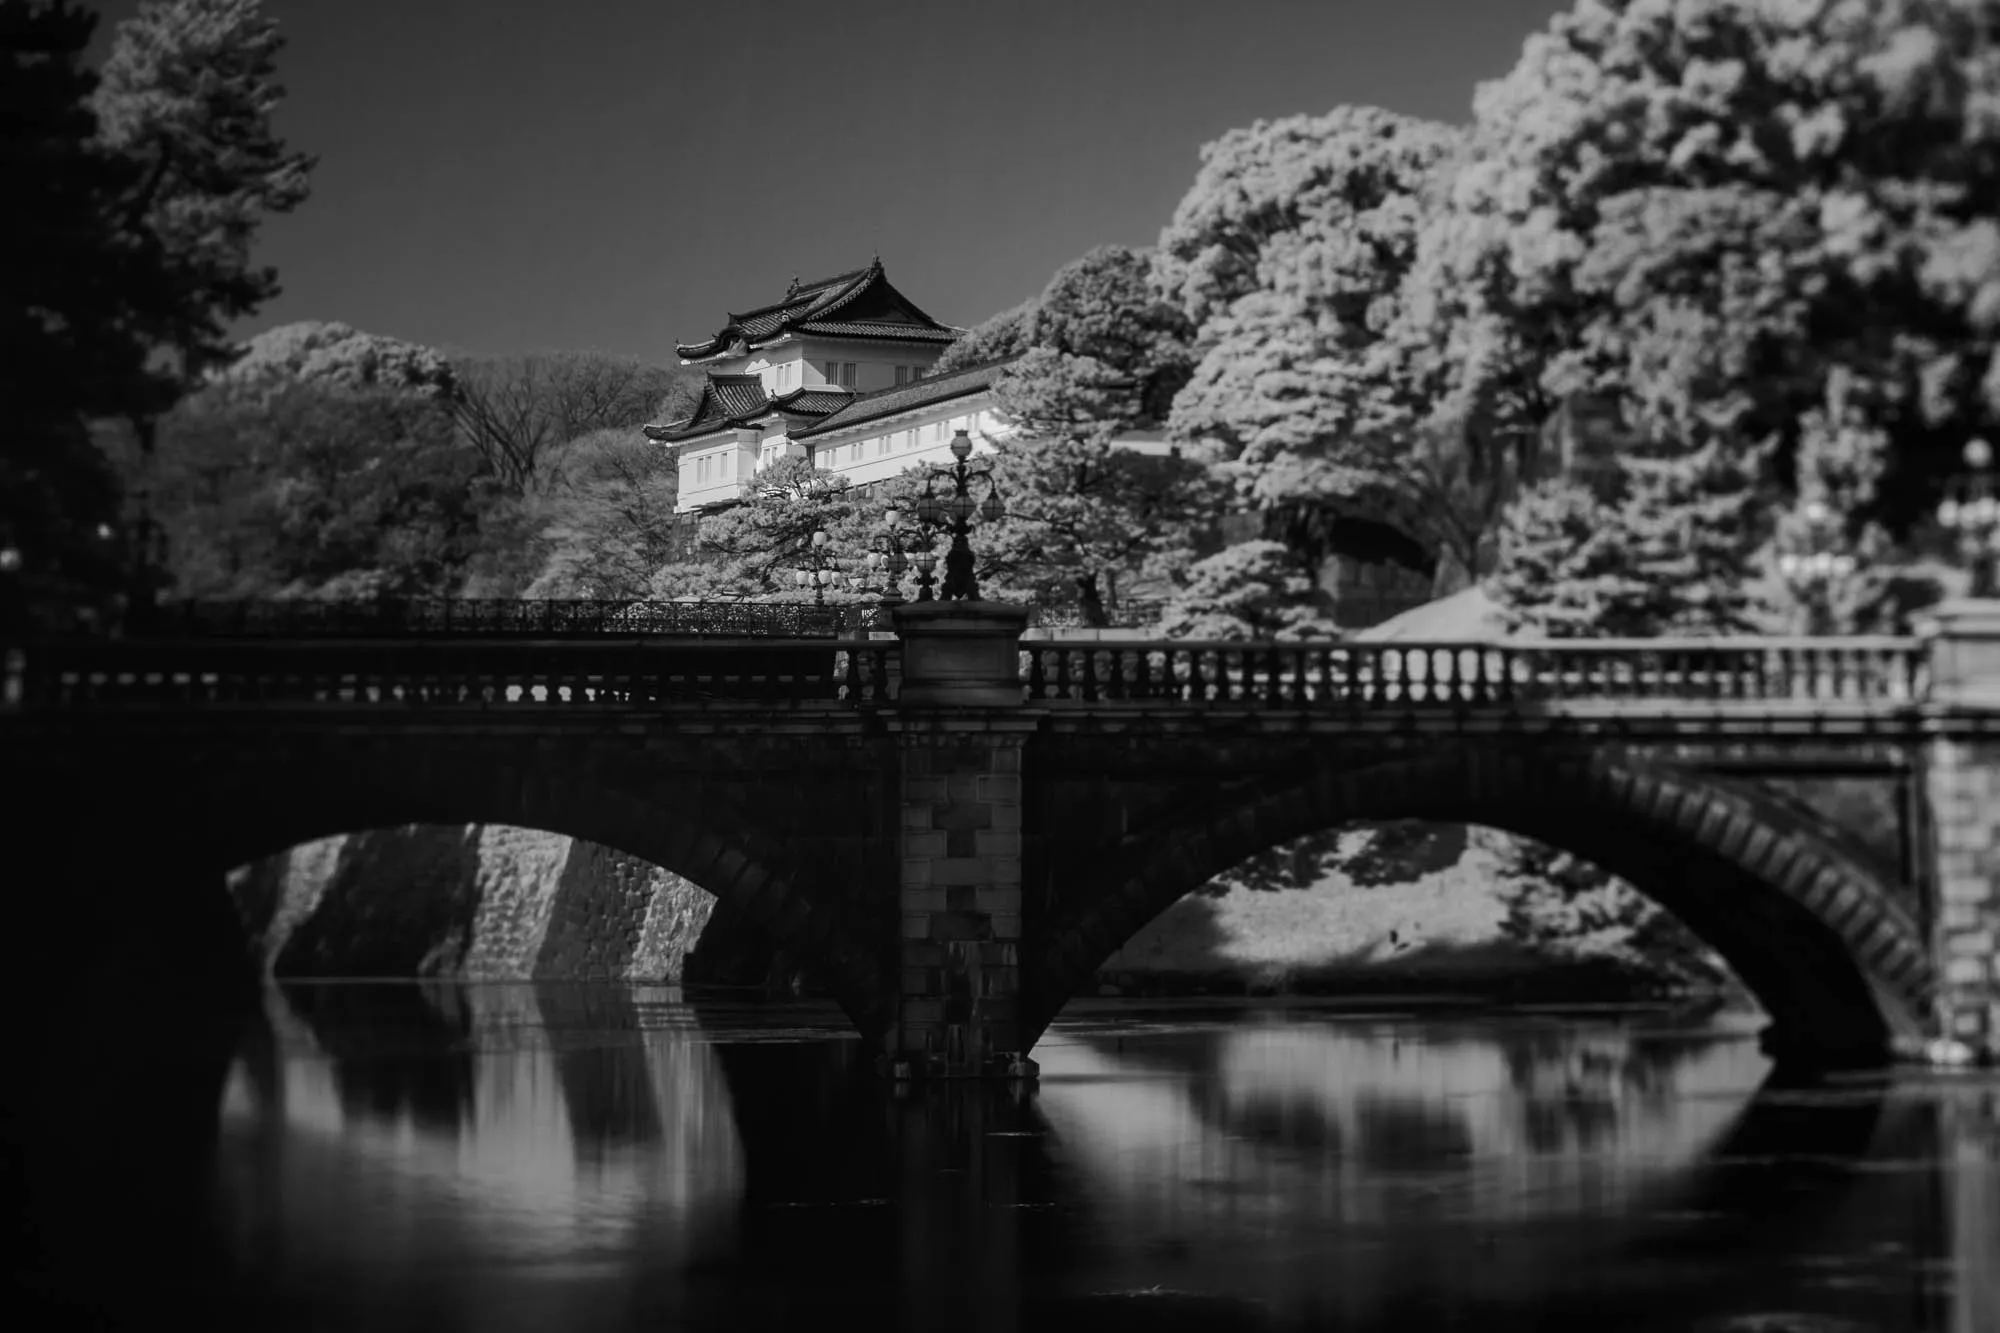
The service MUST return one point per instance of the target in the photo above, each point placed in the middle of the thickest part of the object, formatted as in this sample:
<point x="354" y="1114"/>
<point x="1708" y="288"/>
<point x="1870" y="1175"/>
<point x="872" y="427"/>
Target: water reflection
<point x="551" y="1156"/>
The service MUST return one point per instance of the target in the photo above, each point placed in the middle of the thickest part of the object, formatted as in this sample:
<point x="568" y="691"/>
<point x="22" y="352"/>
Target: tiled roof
<point x="739" y="395"/>
<point x="813" y="303"/>
<point x="908" y="397"/>
<point x="726" y="400"/>
<point x="836" y="328"/>
<point x="738" y="400"/>
<point x="817" y="402"/>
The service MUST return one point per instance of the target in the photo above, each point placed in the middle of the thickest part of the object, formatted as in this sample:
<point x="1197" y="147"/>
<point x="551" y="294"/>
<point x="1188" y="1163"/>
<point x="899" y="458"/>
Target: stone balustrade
<point x="1307" y="674"/>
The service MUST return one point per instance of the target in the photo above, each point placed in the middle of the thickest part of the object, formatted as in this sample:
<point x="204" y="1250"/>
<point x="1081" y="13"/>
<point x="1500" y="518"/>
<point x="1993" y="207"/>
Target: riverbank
<point x="1441" y="932"/>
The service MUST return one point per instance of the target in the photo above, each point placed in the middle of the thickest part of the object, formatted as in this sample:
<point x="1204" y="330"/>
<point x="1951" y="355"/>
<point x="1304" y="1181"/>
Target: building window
<point x="847" y="375"/>
<point x="902" y="375"/>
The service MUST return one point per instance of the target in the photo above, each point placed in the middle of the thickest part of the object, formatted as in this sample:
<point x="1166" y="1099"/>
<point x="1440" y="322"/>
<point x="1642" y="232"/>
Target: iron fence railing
<point x="492" y="675"/>
<point x="553" y="618"/>
<point x="467" y="617"/>
<point x="1123" y="615"/>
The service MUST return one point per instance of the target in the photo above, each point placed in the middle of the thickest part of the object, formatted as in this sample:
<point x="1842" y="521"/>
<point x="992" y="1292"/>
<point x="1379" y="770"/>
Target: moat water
<point x="551" y="1157"/>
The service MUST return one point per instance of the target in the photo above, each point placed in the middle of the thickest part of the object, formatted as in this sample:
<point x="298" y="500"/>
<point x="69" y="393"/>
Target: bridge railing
<point x="1398" y="672"/>
<point x="769" y="672"/>
<point x="493" y="617"/>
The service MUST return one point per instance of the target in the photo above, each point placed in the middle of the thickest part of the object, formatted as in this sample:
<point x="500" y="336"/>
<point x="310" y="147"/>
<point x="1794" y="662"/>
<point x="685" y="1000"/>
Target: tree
<point x="610" y="523"/>
<point x="1082" y="514"/>
<point x="1663" y="550"/>
<point x="316" y="489"/>
<point x="1291" y="254"/>
<point x="1107" y="356"/>
<point x="1002" y="336"/>
<point x="1560" y="904"/>
<point x="753" y="549"/>
<point x="131" y="204"/>
<point x="188" y="93"/>
<point x="517" y="410"/>
<point x="338" y="355"/>
<point x="1252" y="590"/>
<point x="1745" y="225"/>
<point x="79" y="287"/>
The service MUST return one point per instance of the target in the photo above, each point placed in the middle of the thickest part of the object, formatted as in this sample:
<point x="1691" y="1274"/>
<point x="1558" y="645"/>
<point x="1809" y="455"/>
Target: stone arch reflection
<point x="560" y="1117"/>
<point x="1267" y="1164"/>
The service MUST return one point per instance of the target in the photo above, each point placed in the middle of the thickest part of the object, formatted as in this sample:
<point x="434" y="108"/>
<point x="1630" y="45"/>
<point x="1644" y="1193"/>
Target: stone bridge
<point x="955" y="826"/>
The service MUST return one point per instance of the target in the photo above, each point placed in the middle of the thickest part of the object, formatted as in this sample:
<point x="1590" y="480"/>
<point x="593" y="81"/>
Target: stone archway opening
<point x="1411" y="906"/>
<point x="1828" y="953"/>
<point x="497" y="902"/>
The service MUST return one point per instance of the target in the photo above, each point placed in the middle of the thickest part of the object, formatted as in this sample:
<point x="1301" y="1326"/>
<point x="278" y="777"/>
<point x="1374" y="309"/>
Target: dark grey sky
<point x="507" y="174"/>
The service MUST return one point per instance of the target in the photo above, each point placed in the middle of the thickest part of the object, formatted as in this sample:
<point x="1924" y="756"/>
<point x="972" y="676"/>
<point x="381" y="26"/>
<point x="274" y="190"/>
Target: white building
<point x="837" y="372"/>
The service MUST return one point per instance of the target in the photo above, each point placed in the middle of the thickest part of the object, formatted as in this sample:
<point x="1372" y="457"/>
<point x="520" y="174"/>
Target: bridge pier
<point x="1962" y="784"/>
<point x="957" y="1009"/>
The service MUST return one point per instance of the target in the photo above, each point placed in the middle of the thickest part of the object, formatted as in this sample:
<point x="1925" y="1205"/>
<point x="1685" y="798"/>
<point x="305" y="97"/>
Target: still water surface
<point x="572" y="1157"/>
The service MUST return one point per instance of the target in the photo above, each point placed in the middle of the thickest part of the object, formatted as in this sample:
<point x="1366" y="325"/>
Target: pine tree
<point x="188" y="94"/>
<point x="1252" y="590"/>
<point x="74" y="286"/>
<point x="1691" y="524"/>
<point x="1565" y="567"/>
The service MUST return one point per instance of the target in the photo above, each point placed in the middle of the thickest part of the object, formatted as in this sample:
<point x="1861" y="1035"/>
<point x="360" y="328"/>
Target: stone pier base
<point x="959" y="900"/>
<point x="1964" y="782"/>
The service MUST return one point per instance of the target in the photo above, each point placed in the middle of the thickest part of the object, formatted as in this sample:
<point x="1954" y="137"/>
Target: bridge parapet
<point x="1306" y="674"/>
<point x="953" y="661"/>
<point x="480" y="674"/>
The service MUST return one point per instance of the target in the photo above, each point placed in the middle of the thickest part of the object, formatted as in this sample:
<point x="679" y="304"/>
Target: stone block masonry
<point x="1963" y="778"/>
<point x="959" y="899"/>
<point x="484" y="903"/>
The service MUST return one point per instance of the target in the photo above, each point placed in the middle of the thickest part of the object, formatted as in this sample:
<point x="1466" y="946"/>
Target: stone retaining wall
<point x="484" y="902"/>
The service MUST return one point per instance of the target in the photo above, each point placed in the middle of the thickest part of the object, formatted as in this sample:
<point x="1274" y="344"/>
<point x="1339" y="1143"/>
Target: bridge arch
<point x="232" y="807"/>
<point x="1837" y="963"/>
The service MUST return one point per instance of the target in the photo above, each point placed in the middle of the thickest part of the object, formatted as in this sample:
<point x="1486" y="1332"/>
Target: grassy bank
<point x="1437" y="934"/>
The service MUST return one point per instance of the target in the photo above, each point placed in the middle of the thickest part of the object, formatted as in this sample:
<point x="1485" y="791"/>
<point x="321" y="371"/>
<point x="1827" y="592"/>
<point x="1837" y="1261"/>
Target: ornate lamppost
<point x="1816" y="565"/>
<point x="1971" y="510"/>
<point x="822" y="571"/>
<point x="954" y="513"/>
<point x="889" y="556"/>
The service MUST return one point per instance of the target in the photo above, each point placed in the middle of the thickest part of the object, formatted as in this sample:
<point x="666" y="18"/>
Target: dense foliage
<point x="1756" y="230"/>
<point x="316" y="489"/>
<point x="1105" y="358"/>
<point x="1289" y="257"/>
<point x="755" y="549"/>
<point x="131" y="204"/>
<point x="1252" y="590"/>
<point x="188" y="93"/>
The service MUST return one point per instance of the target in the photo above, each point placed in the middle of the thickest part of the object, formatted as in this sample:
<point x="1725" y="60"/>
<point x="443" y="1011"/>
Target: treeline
<point x="325" y="462"/>
<point x="1693" y="291"/>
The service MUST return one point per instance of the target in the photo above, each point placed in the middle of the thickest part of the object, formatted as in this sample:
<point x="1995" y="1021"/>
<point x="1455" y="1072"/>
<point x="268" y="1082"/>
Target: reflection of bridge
<point x="958" y="825"/>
